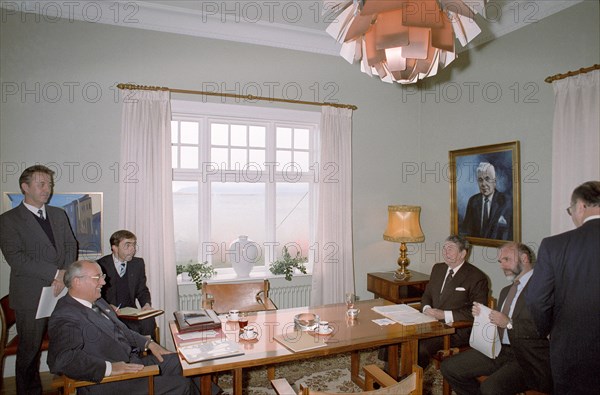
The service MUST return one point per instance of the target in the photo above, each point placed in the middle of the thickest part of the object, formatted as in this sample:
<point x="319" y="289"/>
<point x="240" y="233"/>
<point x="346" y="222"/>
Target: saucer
<point x="329" y="331"/>
<point x="231" y="320"/>
<point x="244" y="337"/>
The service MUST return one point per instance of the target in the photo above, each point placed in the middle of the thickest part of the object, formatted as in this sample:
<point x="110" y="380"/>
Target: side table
<point x="384" y="285"/>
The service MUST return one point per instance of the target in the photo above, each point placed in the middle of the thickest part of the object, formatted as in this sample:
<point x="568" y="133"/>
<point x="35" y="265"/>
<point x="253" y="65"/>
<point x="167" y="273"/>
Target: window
<point x="241" y="170"/>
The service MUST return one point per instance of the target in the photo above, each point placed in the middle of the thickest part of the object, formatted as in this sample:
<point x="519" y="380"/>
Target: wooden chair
<point x="9" y="347"/>
<point x="447" y="352"/>
<point x="244" y="296"/>
<point x="411" y="385"/>
<point x="69" y="386"/>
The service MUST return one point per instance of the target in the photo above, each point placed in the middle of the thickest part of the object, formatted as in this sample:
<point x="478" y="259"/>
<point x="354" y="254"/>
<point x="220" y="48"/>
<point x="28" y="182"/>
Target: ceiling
<point x="292" y="24"/>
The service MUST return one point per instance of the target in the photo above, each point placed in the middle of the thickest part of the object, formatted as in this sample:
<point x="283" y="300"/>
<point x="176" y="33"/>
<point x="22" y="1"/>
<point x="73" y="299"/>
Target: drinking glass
<point x="350" y="300"/>
<point x="243" y="320"/>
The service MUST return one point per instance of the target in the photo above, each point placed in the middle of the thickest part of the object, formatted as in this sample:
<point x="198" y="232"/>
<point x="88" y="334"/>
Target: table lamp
<point x="403" y="227"/>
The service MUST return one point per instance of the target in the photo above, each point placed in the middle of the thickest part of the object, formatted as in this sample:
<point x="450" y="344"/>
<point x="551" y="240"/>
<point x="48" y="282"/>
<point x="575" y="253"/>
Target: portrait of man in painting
<point x="484" y="195"/>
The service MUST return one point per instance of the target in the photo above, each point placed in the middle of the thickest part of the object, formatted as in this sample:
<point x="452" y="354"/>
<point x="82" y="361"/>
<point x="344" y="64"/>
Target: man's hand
<point x="499" y="319"/>
<point x="435" y="313"/>
<point x="123" y="367"/>
<point x="476" y="309"/>
<point x="58" y="283"/>
<point x="157" y="350"/>
<point x="147" y="307"/>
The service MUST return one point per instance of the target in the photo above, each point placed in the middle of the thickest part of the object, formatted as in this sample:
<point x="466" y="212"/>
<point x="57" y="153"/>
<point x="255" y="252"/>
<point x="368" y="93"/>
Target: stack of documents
<point x="403" y="314"/>
<point x="214" y="349"/>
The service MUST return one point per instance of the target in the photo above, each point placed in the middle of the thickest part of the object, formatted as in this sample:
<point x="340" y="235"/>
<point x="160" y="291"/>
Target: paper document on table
<point x="403" y="314"/>
<point x="300" y="341"/>
<point x="484" y="335"/>
<point x="131" y="313"/>
<point x="214" y="349"/>
<point x="48" y="302"/>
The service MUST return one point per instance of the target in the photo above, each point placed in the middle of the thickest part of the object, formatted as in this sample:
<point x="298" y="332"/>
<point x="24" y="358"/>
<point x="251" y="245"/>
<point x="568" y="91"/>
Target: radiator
<point x="284" y="297"/>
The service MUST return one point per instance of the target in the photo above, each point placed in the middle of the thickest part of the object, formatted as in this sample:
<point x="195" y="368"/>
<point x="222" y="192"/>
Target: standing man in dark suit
<point x="126" y="280"/>
<point x="564" y="296"/>
<point x="524" y="360"/>
<point x="453" y="287"/>
<point x="489" y="213"/>
<point x="38" y="244"/>
<point x="88" y="341"/>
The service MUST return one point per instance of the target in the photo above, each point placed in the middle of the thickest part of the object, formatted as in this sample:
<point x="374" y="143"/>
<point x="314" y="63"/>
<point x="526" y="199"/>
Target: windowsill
<point x="228" y="275"/>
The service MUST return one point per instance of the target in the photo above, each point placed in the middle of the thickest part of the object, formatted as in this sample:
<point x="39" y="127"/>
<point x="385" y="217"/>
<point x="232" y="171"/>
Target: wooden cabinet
<point x="384" y="285"/>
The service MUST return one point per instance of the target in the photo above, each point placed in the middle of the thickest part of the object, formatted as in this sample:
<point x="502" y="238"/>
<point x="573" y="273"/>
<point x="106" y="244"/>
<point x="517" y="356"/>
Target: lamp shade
<point x="404" y="225"/>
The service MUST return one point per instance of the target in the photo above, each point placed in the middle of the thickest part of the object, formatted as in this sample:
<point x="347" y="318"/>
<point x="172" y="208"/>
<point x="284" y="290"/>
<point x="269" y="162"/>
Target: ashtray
<point x="306" y="321"/>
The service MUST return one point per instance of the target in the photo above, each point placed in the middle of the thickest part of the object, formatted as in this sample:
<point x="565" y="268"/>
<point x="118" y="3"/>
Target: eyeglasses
<point x="97" y="277"/>
<point x="486" y="179"/>
<point x="569" y="209"/>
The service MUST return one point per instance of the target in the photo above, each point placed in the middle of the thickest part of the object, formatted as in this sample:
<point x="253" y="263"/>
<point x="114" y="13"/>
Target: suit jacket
<point x="530" y="349"/>
<point x="564" y="300"/>
<point x="471" y="279"/>
<point x="136" y="276"/>
<point x="81" y="340"/>
<point x="500" y="224"/>
<point x="32" y="258"/>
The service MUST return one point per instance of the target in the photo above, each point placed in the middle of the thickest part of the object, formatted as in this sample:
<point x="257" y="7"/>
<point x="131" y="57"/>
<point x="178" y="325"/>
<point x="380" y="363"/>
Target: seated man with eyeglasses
<point x="126" y="280"/>
<point x="89" y="342"/>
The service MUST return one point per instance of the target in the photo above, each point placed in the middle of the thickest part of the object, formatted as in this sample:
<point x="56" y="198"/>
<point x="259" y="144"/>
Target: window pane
<point x="174" y="157"/>
<point x="219" y="134"/>
<point x="257" y="159"/>
<point x="219" y="156"/>
<point x="257" y="136"/>
<point x="238" y="135"/>
<point x="301" y="159"/>
<point x="284" y="138"/>
<point x="237" y="209"/>
<point x="189" y="132"/>
<point x="284" y="158"/>
<point x="174" y="132"/>
<point x="189" y="157"/>
<point x="301" y="140"/>
<point x="238" y="159"/>
<point x="292" y="218"/>
<point x="185" y="218"/>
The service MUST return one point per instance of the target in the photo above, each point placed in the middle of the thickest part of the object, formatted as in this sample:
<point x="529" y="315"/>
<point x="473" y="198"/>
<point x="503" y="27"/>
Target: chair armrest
<point x="282" y="387"/>
<point x="461" y="324"/>
<point x="374" y="374"/>
<point x="265" y="301"/>
<point x="70" y="385"/>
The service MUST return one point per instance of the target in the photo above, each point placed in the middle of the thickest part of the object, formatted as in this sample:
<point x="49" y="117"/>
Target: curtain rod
<point x="231" y="95"/>
<point x="557" y="77"/>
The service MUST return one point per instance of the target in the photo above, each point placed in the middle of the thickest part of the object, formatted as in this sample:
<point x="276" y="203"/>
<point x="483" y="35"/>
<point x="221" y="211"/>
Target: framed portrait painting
<point x="84" y="211"/>
<point x="485" y="203"/>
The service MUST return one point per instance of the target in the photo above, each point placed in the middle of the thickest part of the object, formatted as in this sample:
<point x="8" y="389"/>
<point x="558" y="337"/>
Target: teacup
<point x="233" y="315"/>
<point x="323" y="327"/>
<point x="250" y="332"/>
<point x="353" y="313"/>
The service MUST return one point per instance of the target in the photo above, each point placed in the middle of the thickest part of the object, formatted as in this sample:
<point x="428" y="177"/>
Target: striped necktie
<point x="122" y="270"/>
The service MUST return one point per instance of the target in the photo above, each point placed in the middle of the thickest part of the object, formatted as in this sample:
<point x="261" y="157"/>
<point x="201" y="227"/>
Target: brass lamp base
<point x="402" y="273"/>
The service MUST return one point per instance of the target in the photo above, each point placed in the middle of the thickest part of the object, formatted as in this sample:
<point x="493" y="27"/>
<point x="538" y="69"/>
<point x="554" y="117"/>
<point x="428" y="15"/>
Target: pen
<point x="119" y="306"/>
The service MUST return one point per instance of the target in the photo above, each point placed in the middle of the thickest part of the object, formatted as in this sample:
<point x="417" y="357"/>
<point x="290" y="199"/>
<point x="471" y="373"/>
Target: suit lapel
<point x="131" y="278"/>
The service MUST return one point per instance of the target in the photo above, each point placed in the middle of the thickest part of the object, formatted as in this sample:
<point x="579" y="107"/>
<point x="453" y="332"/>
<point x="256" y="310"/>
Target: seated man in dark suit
<point x="524" y="360"/>
<point x="126" y="280"/>
<point x="453" y="287"/>
<point x="88" y="341"/>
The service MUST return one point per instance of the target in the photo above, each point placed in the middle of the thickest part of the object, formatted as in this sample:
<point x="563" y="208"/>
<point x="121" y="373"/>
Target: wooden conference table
<point x="348" y="336"/>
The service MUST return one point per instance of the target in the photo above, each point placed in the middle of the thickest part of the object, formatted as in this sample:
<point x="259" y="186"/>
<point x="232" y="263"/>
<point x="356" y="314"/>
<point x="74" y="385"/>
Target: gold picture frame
<point x="474" y="173"/>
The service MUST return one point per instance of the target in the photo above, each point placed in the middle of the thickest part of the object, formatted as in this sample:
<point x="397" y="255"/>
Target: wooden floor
<point x="9" y="386"/>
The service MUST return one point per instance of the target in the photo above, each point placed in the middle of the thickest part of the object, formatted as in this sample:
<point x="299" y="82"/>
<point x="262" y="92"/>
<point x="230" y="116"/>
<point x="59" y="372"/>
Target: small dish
<point x="329" y="331"/>
<point x="231" y="320"/>
<point x="306" y="321"/>
<point x="244" y="336"/>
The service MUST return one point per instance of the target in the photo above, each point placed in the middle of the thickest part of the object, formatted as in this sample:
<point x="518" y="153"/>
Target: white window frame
<point x="204" y="114"/>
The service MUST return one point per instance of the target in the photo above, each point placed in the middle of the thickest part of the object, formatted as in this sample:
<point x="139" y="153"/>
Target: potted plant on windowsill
<point x="198" y="272"/>
<point x="288" y="265"/>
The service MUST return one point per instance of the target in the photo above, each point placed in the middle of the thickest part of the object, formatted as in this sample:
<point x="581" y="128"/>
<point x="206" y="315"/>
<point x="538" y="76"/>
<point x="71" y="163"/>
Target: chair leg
<point x="446" y="390"/>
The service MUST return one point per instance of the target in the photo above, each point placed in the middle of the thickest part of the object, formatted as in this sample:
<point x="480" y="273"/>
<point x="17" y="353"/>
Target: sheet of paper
<point x="208" y="350"/>
<point x="48" y="302"/>
<point x="403" y="314"/>
<point x="484" y="335"/>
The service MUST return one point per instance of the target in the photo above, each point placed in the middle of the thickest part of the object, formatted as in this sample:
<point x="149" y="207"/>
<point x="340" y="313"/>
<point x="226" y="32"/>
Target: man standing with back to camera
<point x="38" y="244"/>
<point x="564" y="296"/>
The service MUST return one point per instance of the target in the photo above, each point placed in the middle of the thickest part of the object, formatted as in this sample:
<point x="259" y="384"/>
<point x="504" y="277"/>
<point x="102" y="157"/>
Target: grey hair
<point x="485" y="167"/>
<point x="74" y="270"/>
<point x="462" y="243"/>
<point x="522" y="249"/>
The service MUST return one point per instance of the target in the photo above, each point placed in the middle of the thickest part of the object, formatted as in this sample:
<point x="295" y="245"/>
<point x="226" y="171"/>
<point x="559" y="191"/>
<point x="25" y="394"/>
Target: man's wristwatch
<point x="509" y="325"/>
<point x="147" y="346"/>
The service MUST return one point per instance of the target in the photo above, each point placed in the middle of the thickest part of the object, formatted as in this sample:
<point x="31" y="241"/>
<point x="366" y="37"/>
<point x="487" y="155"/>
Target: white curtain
<point x="145" y="198"/>
<point x="575" y="142"/>
<point x="333" y="270"/>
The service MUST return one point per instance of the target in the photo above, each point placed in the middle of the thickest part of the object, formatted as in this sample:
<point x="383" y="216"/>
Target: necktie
<point x="449" y="278"/>
<point x="122" y="270"/>
<point x="41" y="214"/>
<point x="96" y="308"/>
<point x="486" y="213"/>
<point x="507" y="303"/>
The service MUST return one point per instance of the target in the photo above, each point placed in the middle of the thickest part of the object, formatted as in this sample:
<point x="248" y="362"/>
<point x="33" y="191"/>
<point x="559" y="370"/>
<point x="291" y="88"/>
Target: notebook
<point x="298" y="341"/>
<point x="213" y="349"/>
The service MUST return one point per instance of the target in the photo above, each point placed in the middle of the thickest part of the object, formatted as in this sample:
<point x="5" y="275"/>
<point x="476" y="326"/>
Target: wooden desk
<point x="384" y="285"/>
<point x="348" y="336"/>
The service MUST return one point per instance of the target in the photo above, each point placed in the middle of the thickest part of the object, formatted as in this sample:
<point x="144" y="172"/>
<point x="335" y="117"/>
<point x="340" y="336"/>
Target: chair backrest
<point x="243" y="296"/>
<point x="8" y="319"/>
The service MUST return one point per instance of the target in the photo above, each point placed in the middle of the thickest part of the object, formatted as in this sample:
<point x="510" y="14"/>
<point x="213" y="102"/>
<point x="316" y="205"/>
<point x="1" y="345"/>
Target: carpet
<point x="322" y="374"/>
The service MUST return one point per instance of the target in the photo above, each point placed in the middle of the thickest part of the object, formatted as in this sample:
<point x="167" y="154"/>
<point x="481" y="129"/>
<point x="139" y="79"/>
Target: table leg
<point x="393" y="367"/>
<point x="237" y="381"/>
<point x="206" y="384"/>
<point x="354" y="369"/>
<point x="271" y="372"/>
<point x="408" y="356"/>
